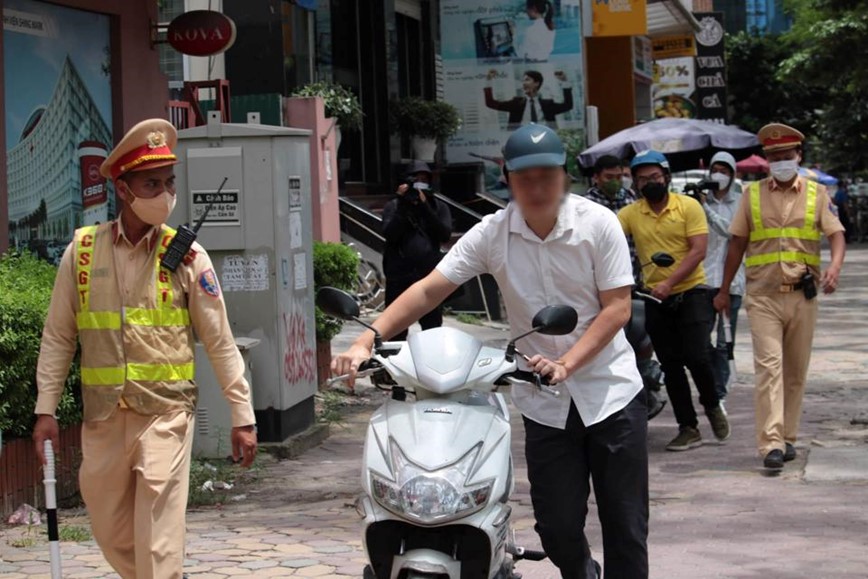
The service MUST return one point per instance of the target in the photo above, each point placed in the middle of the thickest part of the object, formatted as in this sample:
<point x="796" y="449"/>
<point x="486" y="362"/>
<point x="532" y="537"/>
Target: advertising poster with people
<point x="58" y="122"/>
<point x="508" y="63"/>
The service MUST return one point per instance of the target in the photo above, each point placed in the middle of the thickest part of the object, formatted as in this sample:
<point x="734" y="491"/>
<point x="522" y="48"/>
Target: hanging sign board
<point x="201" y="33"/>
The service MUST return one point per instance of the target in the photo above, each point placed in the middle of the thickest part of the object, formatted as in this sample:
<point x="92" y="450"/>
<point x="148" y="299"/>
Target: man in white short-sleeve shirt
<point x="548" y="247"/>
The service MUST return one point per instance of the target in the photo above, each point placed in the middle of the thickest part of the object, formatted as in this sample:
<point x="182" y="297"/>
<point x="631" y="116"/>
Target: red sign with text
<point x="201" y="33"/>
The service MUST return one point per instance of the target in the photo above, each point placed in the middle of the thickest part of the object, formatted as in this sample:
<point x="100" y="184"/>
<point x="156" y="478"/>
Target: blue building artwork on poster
<point x="508" y="63"/>
<point x="58" y="122"/>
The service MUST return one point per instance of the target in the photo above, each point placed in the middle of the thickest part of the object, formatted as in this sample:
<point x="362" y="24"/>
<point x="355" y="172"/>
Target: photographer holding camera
<point x="720" y="201"/>
<point x="415" y="224"/>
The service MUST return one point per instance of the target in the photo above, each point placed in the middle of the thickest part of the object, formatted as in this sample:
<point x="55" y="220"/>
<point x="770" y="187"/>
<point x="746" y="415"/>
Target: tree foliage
<point x="25" y="292"/>
<point x="829" y="40"/>
<point x="814" y="77"/>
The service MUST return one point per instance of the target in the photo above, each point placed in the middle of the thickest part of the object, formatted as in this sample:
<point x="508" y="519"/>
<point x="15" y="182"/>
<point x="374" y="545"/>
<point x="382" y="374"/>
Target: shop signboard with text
<point x="674" y="89"/>
<point x="619" y="18"/>
<point x="711" y="68"/>
<point x="58" y="122"/>
<point x="506" y="64"/>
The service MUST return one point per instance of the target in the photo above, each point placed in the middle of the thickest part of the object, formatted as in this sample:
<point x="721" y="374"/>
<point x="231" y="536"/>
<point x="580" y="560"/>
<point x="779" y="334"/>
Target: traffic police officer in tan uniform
<point x="135" y="322"/>
<point x="778" y="229"/>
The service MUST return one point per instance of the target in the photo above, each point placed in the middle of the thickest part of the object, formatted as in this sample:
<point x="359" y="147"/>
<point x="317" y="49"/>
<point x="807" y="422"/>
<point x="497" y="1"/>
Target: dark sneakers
<point x="774" y="460"/>
<point x="687" y="438"/>
<point x="719" y="423"/>
<point x="790" y="453"/>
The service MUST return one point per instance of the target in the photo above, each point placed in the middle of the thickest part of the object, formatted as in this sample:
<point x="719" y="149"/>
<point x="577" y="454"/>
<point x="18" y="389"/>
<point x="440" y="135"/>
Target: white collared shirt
<point x="538" y="42"/>
<point x="585" y="253"/>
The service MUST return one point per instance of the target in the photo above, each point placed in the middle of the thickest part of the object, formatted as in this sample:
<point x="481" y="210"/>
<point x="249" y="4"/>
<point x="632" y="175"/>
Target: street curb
<point x="297" y="444"/>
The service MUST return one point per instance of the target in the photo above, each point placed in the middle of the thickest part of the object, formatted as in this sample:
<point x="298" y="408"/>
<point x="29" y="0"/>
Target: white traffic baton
<point x="50" y="481"/>
<point x="730" y="350"/>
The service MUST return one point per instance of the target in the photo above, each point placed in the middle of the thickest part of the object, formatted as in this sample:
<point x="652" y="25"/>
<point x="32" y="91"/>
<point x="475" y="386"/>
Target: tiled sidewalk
<point x="714" y="514"/>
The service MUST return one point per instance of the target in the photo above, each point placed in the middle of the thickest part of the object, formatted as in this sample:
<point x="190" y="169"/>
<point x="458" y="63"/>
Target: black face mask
<point x="654" y="192"/>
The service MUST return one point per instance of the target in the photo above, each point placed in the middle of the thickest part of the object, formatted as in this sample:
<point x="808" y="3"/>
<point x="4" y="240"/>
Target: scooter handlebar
<point x="365" y="369"/>
<point x="541" y="382"/>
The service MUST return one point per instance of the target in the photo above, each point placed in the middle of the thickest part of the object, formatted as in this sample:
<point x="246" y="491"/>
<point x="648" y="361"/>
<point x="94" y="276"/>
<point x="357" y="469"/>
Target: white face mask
<point x="627" y="183"/>
<point x="785" y="170"/>
<point x="721" y="179"/>
<point x="421" y="186"/>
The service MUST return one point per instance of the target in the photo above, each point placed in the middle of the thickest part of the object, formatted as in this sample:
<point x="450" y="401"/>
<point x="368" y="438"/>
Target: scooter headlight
<point x="430" y="497"/>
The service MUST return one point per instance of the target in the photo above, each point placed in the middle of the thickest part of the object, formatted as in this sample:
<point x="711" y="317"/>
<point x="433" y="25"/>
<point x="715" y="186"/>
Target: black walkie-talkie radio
<point x="185" y="236"/>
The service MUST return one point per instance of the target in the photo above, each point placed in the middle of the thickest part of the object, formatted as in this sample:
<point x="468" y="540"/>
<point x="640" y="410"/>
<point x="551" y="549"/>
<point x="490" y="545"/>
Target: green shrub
<point x="340" y="103"/>
<point x="25" y="292"/>
<point x="335" y="265"/>
<point x="417" y="117"/>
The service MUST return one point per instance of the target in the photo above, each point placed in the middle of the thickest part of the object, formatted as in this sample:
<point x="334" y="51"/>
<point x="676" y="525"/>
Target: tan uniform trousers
<point x="782" y="329"/>
<point x="134" y="479"/>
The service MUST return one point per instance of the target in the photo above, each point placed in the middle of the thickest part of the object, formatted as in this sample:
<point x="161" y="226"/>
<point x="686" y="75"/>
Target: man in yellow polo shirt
<point x="680" y="325"/>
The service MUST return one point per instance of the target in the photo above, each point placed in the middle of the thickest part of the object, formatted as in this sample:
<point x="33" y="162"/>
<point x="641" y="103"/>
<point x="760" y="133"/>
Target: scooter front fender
<point x="426" y="562"/>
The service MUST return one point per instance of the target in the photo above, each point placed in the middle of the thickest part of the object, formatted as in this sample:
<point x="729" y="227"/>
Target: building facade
<point x="134" y="89"/>
<point x="44" y="169"/>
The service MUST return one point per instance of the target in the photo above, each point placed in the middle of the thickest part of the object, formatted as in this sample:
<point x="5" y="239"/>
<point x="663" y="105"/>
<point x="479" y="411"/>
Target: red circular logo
<point x="93" y="173"/>
<point x="201" y="33"/>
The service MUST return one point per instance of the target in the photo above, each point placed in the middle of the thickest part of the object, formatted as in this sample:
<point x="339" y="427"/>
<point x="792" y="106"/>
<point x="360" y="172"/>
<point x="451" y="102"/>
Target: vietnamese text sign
<point x="224" y="206"/>
<point x="673" y="47"/>
<point x="619" y="18"/>
<point x="674" y="88"/>
<point x="241" y="273"/>
<point x="710" y="68"/>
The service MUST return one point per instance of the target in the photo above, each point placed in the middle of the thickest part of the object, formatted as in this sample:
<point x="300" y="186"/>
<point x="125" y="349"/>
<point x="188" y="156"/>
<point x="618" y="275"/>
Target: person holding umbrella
<point x="720" y="207"/>
<point x="778" y="227"/>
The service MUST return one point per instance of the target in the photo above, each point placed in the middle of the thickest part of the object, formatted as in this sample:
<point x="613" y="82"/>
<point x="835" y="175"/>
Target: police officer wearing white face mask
<point x="777" y="230"/>
<point x="415" y="225"/>
<point x="720" y="208"/>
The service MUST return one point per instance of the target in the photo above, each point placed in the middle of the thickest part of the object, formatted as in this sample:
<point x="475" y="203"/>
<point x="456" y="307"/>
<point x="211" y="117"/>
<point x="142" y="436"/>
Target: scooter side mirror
<point x="555" y="320"/>
<point x="662" y="259"/>
<point x="337" y="303"/>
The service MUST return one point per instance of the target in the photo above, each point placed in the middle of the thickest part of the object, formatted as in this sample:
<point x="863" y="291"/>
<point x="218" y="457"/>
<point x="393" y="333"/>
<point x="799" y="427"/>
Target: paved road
<point x="714" y="514"/>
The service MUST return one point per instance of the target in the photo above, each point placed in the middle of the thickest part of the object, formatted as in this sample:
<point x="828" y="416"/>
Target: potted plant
<point x="335" y="265"/>
<point x="574" y="143"/>
<point x="425" y="122"/>
<point x="341" y="104"/>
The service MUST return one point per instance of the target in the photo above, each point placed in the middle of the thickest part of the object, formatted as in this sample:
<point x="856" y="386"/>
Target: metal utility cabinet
<point x="258" y="234"/>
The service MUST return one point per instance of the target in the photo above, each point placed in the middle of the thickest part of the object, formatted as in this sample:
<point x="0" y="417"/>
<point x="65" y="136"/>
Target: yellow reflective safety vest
<point x="137" y="351"/>
<point x="774" y="245"/>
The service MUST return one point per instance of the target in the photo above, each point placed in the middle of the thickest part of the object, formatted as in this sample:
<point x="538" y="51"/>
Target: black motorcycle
<point x="649" y="368"/>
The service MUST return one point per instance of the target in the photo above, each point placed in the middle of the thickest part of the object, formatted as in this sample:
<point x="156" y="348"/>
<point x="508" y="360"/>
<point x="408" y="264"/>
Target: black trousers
<point x="614" y="455"/>
<point x="395" y="286"/>
<point x="680" y="330"/>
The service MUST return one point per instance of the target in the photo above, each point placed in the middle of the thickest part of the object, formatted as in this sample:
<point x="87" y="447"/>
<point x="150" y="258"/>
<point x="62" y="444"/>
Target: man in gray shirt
<point x="720" y="207"/>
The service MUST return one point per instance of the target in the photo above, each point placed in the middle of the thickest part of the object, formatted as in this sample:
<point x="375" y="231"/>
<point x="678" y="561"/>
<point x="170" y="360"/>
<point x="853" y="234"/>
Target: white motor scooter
<point x="437" y="472"/>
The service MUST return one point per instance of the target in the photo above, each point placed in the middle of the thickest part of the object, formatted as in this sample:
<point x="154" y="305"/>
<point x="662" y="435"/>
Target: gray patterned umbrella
<point x="684" y="142"/>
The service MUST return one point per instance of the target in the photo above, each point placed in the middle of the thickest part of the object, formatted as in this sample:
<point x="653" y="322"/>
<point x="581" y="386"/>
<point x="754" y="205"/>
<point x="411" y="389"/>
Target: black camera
<point x="411" y="195"/>
<point x="701" y="188"/>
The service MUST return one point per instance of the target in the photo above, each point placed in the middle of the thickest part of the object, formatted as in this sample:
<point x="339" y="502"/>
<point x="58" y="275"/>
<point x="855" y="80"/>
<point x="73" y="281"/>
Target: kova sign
<point x="201" y="33"/>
